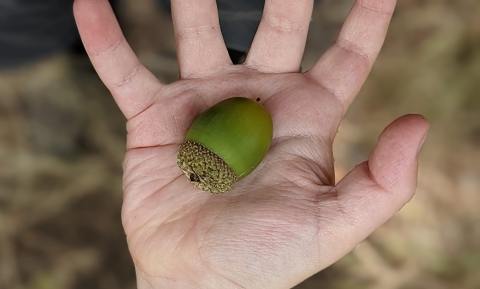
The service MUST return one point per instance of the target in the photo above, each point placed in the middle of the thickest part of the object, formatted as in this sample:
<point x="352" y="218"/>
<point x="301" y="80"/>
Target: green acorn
<point x="225" y="143"/>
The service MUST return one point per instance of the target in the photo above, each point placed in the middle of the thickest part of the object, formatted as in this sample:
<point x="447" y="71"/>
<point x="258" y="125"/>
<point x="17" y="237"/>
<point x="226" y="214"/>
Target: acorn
<point x="225" y="144"/>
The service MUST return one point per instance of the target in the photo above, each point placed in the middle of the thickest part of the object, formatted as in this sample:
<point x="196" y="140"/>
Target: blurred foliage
<point x="62" y="141"/>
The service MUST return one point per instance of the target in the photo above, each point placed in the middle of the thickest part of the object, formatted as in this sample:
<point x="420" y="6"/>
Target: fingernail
<point x="421" y="143"/>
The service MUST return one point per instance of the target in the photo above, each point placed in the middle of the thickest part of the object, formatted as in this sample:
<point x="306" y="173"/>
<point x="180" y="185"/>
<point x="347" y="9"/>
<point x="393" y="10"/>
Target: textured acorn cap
<point x="204" y="169"/>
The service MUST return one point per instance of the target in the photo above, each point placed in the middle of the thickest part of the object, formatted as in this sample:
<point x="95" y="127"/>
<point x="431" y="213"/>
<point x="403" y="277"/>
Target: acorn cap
<point x="205" y="169"/>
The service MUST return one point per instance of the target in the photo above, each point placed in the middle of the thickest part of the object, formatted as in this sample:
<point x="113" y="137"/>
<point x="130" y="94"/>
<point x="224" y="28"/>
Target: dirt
<point x="62" y="141"/>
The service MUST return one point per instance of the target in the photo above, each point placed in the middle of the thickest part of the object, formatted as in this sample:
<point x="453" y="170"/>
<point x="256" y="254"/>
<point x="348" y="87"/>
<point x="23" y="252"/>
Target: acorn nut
<point x="225" y="143"/>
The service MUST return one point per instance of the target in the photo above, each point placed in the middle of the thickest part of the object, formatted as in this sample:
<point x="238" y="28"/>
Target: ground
<point x="62" y="143"/>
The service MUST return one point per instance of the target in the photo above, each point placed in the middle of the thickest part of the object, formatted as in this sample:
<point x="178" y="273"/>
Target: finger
<point x="344" y="68"/>
<point x="280" y="39"/>
<point x="130" y="83"/>
<point x="375" y="190"/>
<point x="200" y="46"/>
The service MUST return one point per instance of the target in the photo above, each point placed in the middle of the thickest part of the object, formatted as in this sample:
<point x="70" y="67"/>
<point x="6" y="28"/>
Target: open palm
<point x="287" y="220"/>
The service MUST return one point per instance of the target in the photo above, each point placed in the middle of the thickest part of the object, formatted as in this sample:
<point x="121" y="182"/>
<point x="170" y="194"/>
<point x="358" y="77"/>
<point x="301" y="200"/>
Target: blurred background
<point x="62" y="141"/>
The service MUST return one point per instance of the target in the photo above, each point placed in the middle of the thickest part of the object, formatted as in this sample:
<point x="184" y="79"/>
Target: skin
<point x="288" y="219"/>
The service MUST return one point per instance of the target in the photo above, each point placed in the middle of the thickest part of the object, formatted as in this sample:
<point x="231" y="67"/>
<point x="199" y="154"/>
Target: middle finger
<point x="280" y="39"/>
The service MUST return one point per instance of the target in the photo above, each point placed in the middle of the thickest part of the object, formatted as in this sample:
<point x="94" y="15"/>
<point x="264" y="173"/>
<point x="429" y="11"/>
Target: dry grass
<point x="62" y="143"/>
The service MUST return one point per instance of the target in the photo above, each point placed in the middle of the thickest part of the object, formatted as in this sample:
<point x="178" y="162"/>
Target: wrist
<point x="158" y="282"/>
<point x="148" y="282"/>
<point x="145" y="281"/>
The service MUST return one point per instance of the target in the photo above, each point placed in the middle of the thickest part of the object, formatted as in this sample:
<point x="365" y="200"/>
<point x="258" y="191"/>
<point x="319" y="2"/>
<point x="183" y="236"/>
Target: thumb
<point x="376" y="189"/>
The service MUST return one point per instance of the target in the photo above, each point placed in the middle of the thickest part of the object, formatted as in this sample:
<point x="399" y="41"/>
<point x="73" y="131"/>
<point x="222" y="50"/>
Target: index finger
<point x="131" y="84"/>
<point x="280" y="39"/>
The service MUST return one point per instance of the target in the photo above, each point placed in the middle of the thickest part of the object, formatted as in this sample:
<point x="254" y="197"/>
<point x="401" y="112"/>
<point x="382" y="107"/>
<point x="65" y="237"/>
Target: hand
<point x="288" y="219"/>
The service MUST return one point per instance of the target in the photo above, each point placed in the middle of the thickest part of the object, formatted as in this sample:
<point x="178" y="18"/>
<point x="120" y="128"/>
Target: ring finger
<point x="200" y="46"/>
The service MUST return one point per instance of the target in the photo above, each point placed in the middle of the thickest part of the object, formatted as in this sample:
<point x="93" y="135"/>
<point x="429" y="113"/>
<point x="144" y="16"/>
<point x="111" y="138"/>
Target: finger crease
<point x="336" y="94"/>
<point x="364" y="5"/>
<point x="374" y="179"/>
<point x="194" y="31"/>
<point x="284" y="24"/>
<point x="351" y="47"/>
<point x="127" y="79"/>
<point x="110" y="49"/>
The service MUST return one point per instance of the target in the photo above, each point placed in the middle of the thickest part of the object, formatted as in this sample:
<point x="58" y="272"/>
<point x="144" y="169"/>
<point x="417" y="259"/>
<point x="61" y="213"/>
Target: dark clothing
<point x="238" y="21"/>
<point x="30" y="29"/>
